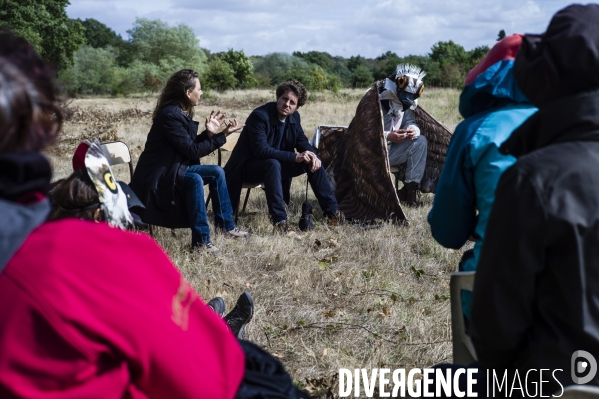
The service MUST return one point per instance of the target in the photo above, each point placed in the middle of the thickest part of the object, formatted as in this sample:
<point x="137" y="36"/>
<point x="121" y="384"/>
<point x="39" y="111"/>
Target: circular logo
<point x="110" y="183"/>
<point x="582" y="362"/>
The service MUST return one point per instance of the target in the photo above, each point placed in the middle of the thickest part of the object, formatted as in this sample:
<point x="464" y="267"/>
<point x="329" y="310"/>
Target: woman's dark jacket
<point x="172" y="145"/>
<point x="256" y="142"/>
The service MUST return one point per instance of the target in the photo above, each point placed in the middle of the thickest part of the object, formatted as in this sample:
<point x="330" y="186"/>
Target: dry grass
<point x="342" y="297"/>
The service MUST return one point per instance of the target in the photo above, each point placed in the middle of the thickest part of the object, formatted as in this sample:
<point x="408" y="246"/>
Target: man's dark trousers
<point x="272" y="173"/>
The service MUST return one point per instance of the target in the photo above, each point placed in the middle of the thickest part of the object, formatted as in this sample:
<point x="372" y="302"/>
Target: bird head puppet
<point x="404" y="87"/>
<point x="89" y="156"/>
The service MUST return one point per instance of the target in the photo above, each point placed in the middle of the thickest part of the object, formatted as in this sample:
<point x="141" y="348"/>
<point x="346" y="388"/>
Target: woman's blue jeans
<point x="195" y="178"/>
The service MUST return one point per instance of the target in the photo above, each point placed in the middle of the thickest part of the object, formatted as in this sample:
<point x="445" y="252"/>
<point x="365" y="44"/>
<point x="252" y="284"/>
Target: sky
<point x="339" y="27"/>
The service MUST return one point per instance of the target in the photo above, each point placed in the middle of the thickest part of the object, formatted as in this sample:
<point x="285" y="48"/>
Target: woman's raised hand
<point x="232" y="126"/>
<point x="214" y="122"/>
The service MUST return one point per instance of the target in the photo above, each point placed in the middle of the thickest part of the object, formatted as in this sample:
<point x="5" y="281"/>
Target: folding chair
<point x="119" y="154"/>
<point x="228" y="146"/>
<point x="395" y="171"/>
<point x="463" y="349"/>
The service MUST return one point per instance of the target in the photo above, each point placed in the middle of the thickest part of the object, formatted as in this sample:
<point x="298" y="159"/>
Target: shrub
<point x="220" y="76"/>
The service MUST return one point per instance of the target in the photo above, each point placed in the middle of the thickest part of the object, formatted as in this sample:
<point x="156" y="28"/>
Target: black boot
<point x="218" y="305"/>
<point x="240" y="315"/>
<point x="409" y="193"/>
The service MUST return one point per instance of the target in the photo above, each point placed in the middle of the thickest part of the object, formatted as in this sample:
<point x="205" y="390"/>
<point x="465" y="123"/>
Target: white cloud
<point x="339" y="27"/>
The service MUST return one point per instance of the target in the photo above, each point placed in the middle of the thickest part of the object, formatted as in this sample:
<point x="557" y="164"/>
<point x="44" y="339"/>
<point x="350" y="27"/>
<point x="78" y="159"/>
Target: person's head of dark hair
<point x="30" y="118"/>
<point x="174" y="92"/>
<point x="29" y="121"/>
<point x="564" y="60"/>
<point x="22" y="54"/>
<point x="296" y="87"/>
<point x="76" y="197"/>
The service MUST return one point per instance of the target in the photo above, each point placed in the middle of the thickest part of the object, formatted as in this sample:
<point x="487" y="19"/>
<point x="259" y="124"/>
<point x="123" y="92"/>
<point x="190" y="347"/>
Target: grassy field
<point x="340" y="298"/>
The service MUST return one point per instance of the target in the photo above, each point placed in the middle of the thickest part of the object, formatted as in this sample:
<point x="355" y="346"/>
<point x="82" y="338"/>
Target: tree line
<point x="93" y="59"/>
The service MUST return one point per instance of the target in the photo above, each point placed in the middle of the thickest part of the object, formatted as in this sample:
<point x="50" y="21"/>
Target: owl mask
<point x="405" y="85"/>
<point x="89" y="155"/>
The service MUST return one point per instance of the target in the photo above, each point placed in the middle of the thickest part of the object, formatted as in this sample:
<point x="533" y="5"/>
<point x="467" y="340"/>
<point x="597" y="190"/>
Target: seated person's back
<point x="536" y="295"/>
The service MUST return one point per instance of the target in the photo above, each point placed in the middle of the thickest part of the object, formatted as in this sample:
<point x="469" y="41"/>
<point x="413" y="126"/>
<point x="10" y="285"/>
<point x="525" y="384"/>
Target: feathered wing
<point x="356" y="160"/>
<point x="438" y="137"/>
<point x="364" y="187"/>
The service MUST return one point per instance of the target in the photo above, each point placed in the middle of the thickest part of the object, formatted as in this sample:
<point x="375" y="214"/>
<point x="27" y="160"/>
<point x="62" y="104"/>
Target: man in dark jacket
<point x="536" y="297"/>
<point x="266" y="153"/>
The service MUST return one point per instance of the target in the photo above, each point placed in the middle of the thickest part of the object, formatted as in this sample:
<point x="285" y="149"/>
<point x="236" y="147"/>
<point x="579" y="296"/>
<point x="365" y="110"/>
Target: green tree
<point x="220" y="76"/>
<point x="322" y="59"/>
<point x="500" y="35"/>
<point x="44" y="23"/>
<point x="339" y="69"/>
<point x="153" y="40"/>
<point x="362" y="77"/>
<point x="99" y="35"/>
<point x="92" y="71"/>
<point x="448" y="53"/>
<point x="272" y="64"/>
<point x="476" y="55"/>
<point x="356" y="61"/>
<point x="280" y="67"/>
<point x="452" y="75"/>
<point x="243" y="69"/>
<point x="385" y="65"/>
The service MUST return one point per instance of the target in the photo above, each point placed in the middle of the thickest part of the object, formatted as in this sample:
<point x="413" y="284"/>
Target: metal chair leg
<point x="208" y="200"/>
<point x="247" y="197"/>
<point x="237" y="211"/>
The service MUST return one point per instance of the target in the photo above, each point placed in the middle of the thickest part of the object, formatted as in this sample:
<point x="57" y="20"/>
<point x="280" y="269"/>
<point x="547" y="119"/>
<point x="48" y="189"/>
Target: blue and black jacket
<point x="493" y="107"/>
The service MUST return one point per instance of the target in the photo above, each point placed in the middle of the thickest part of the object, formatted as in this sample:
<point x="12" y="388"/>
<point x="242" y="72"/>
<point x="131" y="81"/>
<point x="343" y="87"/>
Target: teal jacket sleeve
<point x="453" y="216"/>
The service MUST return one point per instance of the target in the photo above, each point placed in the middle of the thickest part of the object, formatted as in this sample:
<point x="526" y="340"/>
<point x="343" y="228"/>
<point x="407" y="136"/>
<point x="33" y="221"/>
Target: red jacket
<point x="88" y="311"/>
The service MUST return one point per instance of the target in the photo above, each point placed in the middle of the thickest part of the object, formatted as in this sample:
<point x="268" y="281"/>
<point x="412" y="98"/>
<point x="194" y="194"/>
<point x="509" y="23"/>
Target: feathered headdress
<point x="409" y="69"/>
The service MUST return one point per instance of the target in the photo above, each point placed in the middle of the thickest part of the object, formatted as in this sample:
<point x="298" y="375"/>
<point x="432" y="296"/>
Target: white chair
<point x="463" y="349"/>
<point x="119" y="154"/>
<point x="395" y="170"/>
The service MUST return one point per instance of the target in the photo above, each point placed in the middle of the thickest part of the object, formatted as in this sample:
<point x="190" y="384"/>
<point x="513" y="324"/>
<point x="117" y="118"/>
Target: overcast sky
<point x="339" y="27"/>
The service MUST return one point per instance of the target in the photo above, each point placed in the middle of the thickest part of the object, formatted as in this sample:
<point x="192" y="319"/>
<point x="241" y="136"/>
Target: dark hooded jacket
<point x="172" y="145"/>
<point x="536" y="295"/>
